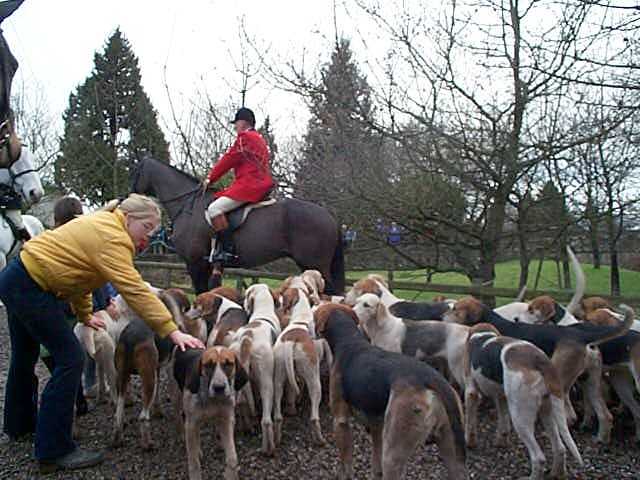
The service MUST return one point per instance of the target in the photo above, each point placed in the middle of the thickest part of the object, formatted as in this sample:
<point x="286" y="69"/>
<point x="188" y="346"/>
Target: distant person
<point x="249" y="159"/>
<point x="394" y="234"/>
<point x="348" y="236"/>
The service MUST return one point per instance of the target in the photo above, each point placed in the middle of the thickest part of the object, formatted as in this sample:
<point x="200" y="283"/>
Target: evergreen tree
<point x="109" y="123"/>
<point x="339" y="146"/>
<point x="279" y="170"/>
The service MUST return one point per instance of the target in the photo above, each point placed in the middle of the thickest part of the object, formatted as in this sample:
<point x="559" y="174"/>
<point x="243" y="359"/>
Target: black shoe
<point x="74" y="460"/>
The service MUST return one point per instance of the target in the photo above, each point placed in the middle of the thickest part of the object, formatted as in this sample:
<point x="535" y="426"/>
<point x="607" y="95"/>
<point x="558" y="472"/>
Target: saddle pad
<point x="238" y="216"/>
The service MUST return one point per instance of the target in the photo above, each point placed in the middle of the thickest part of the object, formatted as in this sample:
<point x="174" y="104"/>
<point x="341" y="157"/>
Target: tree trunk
<point x="615" y="273"/>
<point x="524" y="259"/>
<point x="540" y="263"/>
<point x="491" y="243"/>
<point x="613" y="254"/>
<point x="595" y="245"/>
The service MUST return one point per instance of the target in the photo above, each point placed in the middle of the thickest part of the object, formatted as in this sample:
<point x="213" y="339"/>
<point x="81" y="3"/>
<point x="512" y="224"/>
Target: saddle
<point x="233" y="220"/>
<point x="9" y="199"/>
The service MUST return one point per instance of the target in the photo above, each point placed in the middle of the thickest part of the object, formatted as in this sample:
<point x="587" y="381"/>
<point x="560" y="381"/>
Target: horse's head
<point x="25" y="179"/>
<point x="140" y="179"/>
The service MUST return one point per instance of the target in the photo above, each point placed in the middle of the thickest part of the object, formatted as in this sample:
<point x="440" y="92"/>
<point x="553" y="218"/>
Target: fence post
<point x="390" y="279"/>
<point x="167" y="278"/>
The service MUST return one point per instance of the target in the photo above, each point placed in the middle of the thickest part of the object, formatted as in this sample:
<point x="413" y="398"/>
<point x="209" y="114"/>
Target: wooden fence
<point x="165" y="275"/>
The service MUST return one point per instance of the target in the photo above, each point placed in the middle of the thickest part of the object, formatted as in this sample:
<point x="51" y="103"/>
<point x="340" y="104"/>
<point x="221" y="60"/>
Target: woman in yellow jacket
<point x="66" y="265"/>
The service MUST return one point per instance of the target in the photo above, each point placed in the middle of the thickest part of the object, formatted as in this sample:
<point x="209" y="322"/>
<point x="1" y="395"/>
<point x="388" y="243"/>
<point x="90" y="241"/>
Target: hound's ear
<point x="289" y="298"/>
<point x="213" y="306"/>
<point x="381" y="311"/>
<point x="275" y="294"/>
<point x="192" y="382"/>
<point x="241" y="377"/>
<point x="320" y="318"/>
<point x="248" y="303"/>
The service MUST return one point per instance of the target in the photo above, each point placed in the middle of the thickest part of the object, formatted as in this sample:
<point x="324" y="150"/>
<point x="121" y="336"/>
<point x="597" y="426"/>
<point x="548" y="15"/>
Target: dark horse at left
<point x="9" y="142"/>
<point x="303" y="231"/>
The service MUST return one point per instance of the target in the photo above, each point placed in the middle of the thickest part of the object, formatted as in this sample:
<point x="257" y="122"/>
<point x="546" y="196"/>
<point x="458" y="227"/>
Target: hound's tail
<point x="288" y="362"/>
<point x="453" y="408"/>
<point x="580" y="283"/>
<point x="85" y="335"/>
<point x="559" y="417"/>
<point x="327" y="355"/>
<point x="521" y="294"/>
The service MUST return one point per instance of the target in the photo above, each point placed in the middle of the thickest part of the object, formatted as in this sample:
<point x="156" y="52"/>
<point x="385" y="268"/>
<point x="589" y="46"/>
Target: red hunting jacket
<point x="249" y="158"/>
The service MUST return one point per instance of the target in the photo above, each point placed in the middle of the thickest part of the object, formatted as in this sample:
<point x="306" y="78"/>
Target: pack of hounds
<point x="414" y="372"/>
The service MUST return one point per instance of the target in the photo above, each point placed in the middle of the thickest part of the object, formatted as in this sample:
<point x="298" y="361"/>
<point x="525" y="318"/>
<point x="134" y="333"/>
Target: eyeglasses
<point x="150" y="228"/>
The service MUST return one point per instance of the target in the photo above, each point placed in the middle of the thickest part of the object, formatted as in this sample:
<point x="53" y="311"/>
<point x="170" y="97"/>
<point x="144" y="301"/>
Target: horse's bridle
<point x="134" y="184"/>
<point x="7" y="135"/>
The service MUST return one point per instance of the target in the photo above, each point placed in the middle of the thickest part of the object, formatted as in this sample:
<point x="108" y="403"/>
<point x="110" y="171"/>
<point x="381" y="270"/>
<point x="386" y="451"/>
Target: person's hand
<point x="184" y="340"/>
<point x="96" y="323"/>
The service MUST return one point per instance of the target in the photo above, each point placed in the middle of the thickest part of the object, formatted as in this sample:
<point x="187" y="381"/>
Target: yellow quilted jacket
<point x="73" y="260"/>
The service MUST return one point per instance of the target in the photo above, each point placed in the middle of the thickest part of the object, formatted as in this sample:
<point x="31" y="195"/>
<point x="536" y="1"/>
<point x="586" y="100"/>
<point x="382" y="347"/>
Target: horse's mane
<point x="174" y="168"/>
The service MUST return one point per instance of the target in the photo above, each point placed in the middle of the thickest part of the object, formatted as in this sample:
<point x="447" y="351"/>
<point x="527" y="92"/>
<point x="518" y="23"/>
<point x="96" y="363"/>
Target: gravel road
<point x="298" y="458"/>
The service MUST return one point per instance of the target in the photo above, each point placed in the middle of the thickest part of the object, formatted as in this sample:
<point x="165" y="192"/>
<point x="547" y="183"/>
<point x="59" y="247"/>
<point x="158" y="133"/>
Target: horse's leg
<point x="330" y="263"/>
<point x="199" y="273"/>
<point x="215" y="278"/>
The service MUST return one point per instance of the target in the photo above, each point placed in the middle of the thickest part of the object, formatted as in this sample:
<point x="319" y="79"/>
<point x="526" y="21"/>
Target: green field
<point x="507" y="276"/>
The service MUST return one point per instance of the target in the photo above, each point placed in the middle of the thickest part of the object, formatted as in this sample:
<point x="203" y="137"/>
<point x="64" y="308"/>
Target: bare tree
<point x="490" y="85"/>
<point x="37" y="126"/>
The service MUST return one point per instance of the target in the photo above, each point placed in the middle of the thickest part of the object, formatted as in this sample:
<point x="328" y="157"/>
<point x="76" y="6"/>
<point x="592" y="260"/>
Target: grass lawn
<point x="507" y="276"/>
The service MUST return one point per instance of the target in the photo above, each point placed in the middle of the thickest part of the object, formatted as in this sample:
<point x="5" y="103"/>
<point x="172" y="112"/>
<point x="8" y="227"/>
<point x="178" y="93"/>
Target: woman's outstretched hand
<point x="184" y="340"/>
<point x="96" y="323"/>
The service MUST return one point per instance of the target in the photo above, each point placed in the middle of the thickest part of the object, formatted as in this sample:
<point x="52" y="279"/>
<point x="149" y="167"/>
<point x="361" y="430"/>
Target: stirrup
<point x="218" y="254"/>
<point x="223" y="257"/>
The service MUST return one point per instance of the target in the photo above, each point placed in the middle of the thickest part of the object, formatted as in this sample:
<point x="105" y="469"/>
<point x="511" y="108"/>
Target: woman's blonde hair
<point x="136" y="206"/>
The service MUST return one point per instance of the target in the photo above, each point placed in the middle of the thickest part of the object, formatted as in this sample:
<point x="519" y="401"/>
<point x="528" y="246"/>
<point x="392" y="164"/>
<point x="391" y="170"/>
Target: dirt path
<point x="298" y="458"/>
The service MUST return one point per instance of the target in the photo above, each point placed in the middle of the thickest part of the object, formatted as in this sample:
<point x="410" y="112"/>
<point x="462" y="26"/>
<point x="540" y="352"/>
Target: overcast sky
<point x="197" y="40"/>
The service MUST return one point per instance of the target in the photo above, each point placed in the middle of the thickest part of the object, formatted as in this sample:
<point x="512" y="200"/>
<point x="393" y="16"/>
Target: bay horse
<point x="302" y="231"/>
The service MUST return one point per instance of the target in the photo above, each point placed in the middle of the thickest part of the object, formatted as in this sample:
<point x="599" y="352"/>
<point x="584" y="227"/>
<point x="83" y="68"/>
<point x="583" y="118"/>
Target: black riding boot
<point x="220" y="255"/>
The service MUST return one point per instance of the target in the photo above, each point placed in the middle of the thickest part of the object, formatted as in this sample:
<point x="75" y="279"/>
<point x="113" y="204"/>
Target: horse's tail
<point x="336" y="286"/>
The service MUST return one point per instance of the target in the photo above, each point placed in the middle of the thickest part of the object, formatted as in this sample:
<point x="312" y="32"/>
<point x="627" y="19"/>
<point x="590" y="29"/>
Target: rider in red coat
<point x="249" y="159"/>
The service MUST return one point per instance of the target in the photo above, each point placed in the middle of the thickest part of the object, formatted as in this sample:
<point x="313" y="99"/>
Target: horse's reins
<point x="137" y="176"/>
